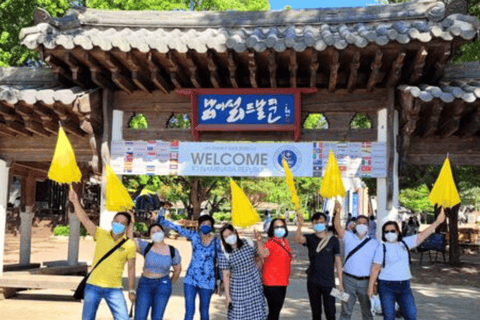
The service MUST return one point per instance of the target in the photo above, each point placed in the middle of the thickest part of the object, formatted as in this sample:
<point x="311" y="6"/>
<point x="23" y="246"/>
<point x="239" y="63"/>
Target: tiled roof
<point x="34" y="85"/>
<point x="279" y="30"/>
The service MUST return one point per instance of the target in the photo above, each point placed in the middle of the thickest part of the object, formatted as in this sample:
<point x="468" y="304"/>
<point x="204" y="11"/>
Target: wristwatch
<point x="133" y="292"/>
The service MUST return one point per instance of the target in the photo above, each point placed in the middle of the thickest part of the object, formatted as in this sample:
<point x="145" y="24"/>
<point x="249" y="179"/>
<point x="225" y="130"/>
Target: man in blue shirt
<point x="359" y="252"/>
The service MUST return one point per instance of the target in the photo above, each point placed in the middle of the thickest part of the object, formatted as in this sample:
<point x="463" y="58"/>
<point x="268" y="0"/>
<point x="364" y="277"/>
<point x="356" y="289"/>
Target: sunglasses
<point x="390" y="231"/>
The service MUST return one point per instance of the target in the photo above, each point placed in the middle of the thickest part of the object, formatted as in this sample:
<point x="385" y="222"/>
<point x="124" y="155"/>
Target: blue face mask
<point x="319" y="227"/>
<point x="205" y="229"/>
<point x="118" y="228"/>
<point x="279" y="233"/>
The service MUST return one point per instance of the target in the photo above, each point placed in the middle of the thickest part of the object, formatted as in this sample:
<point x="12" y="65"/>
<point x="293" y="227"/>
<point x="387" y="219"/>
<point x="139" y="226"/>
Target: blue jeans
<point x="399" y="291"/>
<point x="152" y="293"/>
<point x="190" y="293"/>
<point x="115" y="301"/>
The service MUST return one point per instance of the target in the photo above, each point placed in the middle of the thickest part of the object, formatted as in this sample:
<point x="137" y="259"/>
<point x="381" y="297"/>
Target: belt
<point x="358" y="278"/>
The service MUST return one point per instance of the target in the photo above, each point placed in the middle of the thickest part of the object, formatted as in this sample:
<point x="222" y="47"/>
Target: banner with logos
<point x="306" y="159"/>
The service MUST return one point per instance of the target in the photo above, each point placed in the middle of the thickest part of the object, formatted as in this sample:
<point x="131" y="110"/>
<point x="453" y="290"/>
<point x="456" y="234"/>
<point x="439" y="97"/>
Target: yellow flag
<point x="64" y="168"/>
<point x="332" y="184"/>
<point x="118" y="198"/>
<point x="291" y="184"/>
<point x="243" y="212"/>
<point x="444" y="192"/>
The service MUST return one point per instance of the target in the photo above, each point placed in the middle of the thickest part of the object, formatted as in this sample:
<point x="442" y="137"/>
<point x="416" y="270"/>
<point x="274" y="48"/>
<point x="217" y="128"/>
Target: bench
<point x="436" y="242"/>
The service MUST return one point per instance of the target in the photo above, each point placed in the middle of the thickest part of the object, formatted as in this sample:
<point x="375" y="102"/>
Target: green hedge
<point x="64" y="230"/>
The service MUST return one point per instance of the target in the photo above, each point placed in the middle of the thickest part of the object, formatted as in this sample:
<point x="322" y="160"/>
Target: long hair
<point x="228" y="248"/>
<point x="271" y="229"/>
<point x="391" y="223"/>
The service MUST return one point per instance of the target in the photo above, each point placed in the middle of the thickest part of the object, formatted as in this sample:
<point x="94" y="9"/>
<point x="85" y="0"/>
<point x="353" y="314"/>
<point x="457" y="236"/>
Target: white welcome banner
<point x="244" y="159"/>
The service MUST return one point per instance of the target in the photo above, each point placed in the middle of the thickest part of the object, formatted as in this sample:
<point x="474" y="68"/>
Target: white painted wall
<point x="3" y="207"/>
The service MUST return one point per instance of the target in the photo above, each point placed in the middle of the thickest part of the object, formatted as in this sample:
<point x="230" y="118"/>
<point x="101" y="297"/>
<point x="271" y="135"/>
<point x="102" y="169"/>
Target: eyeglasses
<point x="390" y="231"/>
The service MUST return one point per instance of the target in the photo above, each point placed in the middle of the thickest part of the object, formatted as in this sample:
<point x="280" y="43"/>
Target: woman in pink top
<point x="276" y="268"/>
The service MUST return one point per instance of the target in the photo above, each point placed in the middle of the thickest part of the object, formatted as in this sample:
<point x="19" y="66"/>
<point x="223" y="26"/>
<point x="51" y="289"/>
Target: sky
<point x="303" y="4"/>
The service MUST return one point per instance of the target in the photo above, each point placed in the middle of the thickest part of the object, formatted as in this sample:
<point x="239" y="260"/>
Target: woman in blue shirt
<point x="200" y="278"/>
<point x="392" y="262"/>
<point x="155" y="285"/>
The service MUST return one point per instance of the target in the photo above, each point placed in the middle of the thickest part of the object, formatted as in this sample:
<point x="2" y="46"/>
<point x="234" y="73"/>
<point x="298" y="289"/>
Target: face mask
<point x="118" y="228"/>
<point x="206" y="229"/>
<point x="361" y="229"/>
<point x="391" y="237"/>
<point x="158" y="236"/>
<point x="319" y="227"/>
<point x="231" y="239"/>
<point x="279" y="233"/>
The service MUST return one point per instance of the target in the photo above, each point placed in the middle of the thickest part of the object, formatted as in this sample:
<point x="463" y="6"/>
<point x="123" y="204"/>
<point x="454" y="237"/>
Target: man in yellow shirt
<point x="105" y="282"/>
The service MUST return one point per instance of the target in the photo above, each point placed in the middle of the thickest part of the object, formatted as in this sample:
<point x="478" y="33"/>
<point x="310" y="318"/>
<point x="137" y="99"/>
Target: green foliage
<point x="138" y="121"/>
<point x="315" y="121"/>
<point x="140" y="227"/>
<point x="18" y="14"/>
<point x="64" y="230"/>
<point x="198" y="5"/>
<point x="180" y="121"/>
<point x="416" y="199"/>
<point x="470" y="51"/>
<point x="222" y="216"/>
<point x="287" y="7"/>
<point x="361" y="121"/>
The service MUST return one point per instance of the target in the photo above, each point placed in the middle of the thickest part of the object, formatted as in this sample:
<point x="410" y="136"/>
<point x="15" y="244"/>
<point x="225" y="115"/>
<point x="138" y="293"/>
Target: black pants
<point x="318" y="293"/>
<point x="275" y="297"/>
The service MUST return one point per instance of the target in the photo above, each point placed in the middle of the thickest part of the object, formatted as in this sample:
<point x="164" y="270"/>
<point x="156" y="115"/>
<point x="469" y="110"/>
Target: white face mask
<point x="231" y="239"/>
<point x="158" y="236"/>
<point x="391" y="237"/>
<point x="361" y="229"/>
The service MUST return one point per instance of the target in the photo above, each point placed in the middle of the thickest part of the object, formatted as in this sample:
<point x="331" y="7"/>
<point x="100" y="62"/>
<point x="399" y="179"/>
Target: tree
<point x="197" y="5"/>
<point x="18" y="14"/>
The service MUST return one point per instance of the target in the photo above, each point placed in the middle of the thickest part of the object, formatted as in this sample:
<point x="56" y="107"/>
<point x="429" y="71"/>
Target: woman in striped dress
<point x="243" y="288"/>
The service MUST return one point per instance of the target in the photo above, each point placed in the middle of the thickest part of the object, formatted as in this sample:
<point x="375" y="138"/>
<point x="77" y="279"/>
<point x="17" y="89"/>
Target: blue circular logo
<point x="291" y="154"/>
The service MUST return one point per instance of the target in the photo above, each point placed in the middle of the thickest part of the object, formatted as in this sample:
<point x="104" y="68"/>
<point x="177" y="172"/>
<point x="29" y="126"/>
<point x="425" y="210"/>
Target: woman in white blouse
<point x="392" y="262"/>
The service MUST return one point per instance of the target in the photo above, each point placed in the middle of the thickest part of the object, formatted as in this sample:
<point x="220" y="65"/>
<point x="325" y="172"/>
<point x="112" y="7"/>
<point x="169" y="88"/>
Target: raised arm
<point x="182" y="231"/>
<point x="81" y="214"/>
<point x="261" y="249"/>
<point x="427" y="232"/>
<point x="336" y="220"/>
<point x="299" y="237"/>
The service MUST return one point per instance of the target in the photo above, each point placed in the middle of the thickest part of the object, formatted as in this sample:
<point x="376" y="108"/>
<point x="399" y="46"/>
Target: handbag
<point x="81" y="287"/>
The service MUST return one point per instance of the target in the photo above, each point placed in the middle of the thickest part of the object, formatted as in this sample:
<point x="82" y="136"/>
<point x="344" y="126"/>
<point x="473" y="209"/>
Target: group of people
<point x="254" y="274"/>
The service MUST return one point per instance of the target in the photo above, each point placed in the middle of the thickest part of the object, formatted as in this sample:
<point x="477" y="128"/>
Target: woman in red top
<point x="276" y="268"/>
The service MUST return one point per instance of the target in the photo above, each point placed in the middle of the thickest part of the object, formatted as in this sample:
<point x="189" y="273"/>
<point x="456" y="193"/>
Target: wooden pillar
<point x="26" y="219"/>
<point x="4" y="179"/>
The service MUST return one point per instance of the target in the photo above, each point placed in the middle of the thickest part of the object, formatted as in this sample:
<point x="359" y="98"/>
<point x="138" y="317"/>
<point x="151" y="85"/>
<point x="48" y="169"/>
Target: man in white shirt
<point x="359" y="253"/>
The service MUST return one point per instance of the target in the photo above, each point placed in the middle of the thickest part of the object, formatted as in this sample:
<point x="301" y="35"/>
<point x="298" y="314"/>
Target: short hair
<point x="391" y="223"/>
<point x="317" y="216"/>
<point x="155" y="225"/>
<point x="126" y="215"/>
<point x="270" y="231"/>
<point x="228" y="248"/>
<point x="372" y="218"/>
<point x="207" y="217"/>
<point x="362" y="216"/>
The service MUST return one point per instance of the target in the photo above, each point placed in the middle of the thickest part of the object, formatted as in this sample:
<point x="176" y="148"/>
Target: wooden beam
<point x="157" y="79"/>
<point x="98" y="74"/>
<point x="175" y="76"/>
<point x="376" y="65"/>
<point x="4" y="129"/>
<point x="138" y="77"/>
<point x="432" y="122"/>
<point x="418" y="65"/>
<point x="272" y="68"/>
<point x="354" y="65"/>
<point x="192" y="67"/>
<point x="116" y="70"/>
<point x="427" y="151"/>
<point x="212" y="68"/>
<point x="395" y="71"/>
<point x="78" y="72"/>
<point x="472" y="126"/>
<point x="58" y="70"/>
<point x="410" y="114"/>
<point x="252" y="68"/>
<point x="314" y="64"/>
<point x="453" y="123"/>
<point x="441" y="63"/>
<point x="360" y="135"/>
<point x="293" y="67"/>
<point x="18" y="128"/>
<point x="232" y="69"/>
<point x="334" y="65"/>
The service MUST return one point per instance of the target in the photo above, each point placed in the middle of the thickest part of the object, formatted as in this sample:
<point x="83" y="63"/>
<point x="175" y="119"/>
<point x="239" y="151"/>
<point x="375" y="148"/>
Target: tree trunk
<point x="196" y="198"/>
<point x="454" y="252"/>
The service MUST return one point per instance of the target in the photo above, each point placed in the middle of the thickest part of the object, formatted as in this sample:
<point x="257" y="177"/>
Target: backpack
<point x="150" y="245"/>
